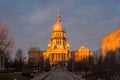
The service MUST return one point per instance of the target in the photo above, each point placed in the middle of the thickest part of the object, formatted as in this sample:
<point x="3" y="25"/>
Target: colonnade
<point x="58" y="59"/>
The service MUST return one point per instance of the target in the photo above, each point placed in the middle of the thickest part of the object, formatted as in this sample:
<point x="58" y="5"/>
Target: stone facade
<point x="34" y="55"/>
<point x="82" y="54"/>
<point x="111" y="42"/>
<point x="58" y="51"/>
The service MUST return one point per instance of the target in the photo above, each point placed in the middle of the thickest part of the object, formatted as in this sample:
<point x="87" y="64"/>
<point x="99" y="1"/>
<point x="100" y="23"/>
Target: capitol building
<point x="58" y="49"/>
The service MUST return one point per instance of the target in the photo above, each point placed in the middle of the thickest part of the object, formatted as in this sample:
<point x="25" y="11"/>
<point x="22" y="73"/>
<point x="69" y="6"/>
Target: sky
<point x="86" y="21"/>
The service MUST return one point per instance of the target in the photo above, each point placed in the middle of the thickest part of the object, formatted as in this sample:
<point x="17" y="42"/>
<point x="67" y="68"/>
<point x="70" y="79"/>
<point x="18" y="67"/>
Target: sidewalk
<point x="41" y="76"/>
<point x="78" y="77"/>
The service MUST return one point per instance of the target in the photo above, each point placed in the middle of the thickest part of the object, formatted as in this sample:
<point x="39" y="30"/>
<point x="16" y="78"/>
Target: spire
<point x="58" y="12"/>
<point x="58" y="16"/>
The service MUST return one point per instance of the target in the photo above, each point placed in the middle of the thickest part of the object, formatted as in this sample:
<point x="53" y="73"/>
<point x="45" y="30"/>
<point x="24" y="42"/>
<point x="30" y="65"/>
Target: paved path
<point x="58" y="75"/>
<point x="62" y="75"/>
<point x="41" y="76"/>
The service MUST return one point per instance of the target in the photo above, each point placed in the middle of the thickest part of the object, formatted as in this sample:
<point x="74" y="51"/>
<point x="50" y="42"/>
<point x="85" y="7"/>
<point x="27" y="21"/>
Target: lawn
<point x="11" y="76"/>
<point x="90" y="77"/>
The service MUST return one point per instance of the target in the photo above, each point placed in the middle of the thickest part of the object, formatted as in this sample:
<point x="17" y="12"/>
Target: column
<point x="57" y="59"/>
<point x="60" y="57"/>
<point x="54" y="59"/>
<point x="64" y="59"/>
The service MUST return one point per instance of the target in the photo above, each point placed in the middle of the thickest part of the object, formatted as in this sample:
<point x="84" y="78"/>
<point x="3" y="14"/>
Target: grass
<point x="11" y="76"/>
<point x="90" y="77"/>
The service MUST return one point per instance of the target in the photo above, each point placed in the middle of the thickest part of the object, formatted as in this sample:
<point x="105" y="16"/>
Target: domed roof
<point x="58" y="25"/>
<point x="83" y="48"/>
<point x="49" y="45"/>
<point x="68" y="45"/>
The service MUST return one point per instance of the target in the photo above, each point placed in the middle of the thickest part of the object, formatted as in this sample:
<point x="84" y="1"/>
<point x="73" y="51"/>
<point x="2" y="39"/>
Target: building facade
<point x="34" y="55"/>
<point x="83" y="53"/>
<point x="58" y="51"/>
<point x="111" y="42"/>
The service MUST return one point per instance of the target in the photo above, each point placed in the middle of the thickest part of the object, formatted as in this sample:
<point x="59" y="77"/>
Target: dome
<point x="68" y="45"/>
<point x="58" y="25"/>
<point x="83" y="48"/>
<point x="49" y="45"/>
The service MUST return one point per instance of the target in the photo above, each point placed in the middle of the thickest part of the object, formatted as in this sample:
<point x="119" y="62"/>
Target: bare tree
<point x="47" y="66"/>
<point x="6" y="45"/>
<point x="19" y="60"/>
<point x="97" y="54"/>
<point x="6" y="41"/>
<point x="70" y="65"/>
<point x="107" y="68"/>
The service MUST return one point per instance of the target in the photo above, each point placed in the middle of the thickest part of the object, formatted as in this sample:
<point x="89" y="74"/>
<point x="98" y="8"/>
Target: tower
<point x="58" y="49"/>
<point x="58" y="37"/>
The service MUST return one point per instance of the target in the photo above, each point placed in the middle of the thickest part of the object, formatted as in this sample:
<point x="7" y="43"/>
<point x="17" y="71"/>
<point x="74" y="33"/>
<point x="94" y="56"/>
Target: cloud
<point x="86" y="22"/>
<point x="38" y="17"/>
<point x="90" y="24"/>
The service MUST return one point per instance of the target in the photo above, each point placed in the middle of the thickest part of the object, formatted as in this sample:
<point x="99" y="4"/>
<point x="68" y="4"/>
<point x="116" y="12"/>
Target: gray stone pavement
<point x="63" y="75"/>
<point x="58" y="75"/>
<point x="41" y="76"/>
